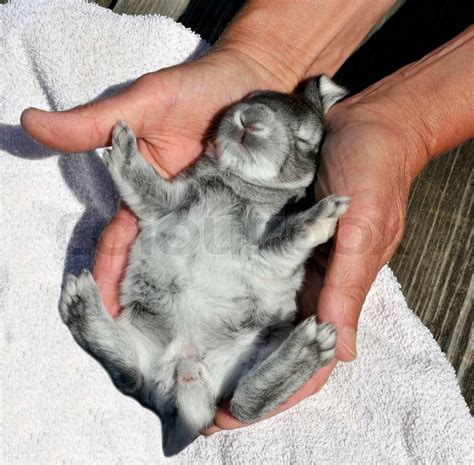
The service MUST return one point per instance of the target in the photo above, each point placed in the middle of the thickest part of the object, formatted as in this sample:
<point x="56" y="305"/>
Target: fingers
<point x="112" y="257"/>
<point x="225" y="420"/>
<point x="211" y="430"/>
<point x="86" y="127"/>
<point x="353" y="266"/>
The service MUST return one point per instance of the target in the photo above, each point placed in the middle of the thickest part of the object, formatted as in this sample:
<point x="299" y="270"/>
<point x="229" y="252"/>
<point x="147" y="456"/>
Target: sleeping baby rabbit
<point x="209" y="294"/>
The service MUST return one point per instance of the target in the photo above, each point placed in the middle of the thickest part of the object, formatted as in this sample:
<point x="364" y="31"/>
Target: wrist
<point x="270" y="67"/>
<point x="289" y="42"/>
<point x="344" y="27"/>
<point x="244" y="66"/>
<point x="429" y="102"/>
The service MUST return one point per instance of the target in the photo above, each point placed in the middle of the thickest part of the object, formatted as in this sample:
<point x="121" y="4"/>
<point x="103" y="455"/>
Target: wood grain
<point x="173" y="9"/>
<point x="434" y="262"/>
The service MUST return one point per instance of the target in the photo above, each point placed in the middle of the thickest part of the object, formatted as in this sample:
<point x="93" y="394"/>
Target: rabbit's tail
<point x="195" y="407"/>
<point x="195" y="400"/>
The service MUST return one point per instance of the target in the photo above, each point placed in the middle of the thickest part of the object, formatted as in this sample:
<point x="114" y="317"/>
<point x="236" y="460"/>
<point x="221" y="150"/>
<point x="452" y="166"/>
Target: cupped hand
<point x="170" y="112"/>
<point x="364" y="156"/>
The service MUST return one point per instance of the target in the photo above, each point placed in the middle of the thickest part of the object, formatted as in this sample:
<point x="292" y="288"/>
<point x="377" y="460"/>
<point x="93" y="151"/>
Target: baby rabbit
<point x="209" y="294"/>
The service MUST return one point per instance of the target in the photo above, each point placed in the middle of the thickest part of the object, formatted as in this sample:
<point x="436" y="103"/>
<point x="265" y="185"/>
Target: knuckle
<point x="89" y="108"/>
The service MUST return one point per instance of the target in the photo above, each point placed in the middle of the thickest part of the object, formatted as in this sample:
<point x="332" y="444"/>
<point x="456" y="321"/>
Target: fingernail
<point x="349" y="342"/>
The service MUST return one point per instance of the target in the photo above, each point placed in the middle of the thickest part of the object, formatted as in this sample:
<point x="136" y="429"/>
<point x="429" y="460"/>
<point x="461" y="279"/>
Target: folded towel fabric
<point x="397" y="403"/>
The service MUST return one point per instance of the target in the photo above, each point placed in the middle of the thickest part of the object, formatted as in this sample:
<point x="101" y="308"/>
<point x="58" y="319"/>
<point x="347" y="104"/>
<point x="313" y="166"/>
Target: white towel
<point x="397" y="403"/>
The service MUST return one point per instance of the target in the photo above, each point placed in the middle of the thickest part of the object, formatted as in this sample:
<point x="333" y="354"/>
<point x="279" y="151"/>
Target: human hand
<point x="170" y="111"/>
<point x="378" y="141"/>
<point x="363" y="157"/>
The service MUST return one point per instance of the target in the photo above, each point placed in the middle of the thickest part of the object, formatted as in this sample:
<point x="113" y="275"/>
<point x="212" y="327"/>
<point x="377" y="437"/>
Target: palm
<point x="176" y="109"/>
<point x="170" y="111"/>
<point x="175" y="117"/>
<point x="361" y="159"/>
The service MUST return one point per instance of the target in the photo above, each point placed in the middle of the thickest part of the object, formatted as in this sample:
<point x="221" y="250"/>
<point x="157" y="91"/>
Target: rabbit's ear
<point x="324" y="92"/>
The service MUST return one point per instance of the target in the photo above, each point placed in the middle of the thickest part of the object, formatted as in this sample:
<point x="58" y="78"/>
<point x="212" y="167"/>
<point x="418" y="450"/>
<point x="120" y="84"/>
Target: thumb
<point x="86" y="127"/>
<point x="353" y="265"/>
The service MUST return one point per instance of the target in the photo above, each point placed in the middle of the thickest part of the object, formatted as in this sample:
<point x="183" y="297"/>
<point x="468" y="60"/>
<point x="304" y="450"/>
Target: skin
<point x="378" y="141"/>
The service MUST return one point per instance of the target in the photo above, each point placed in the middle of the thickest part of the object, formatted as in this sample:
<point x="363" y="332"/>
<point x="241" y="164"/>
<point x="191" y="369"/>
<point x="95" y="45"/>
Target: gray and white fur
<point x="209" y="294"/>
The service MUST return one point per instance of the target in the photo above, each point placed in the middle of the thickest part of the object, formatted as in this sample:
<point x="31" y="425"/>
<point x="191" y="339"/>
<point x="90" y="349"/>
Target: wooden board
<point x="173" y="9"/>
<point x="434" y="261"/>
